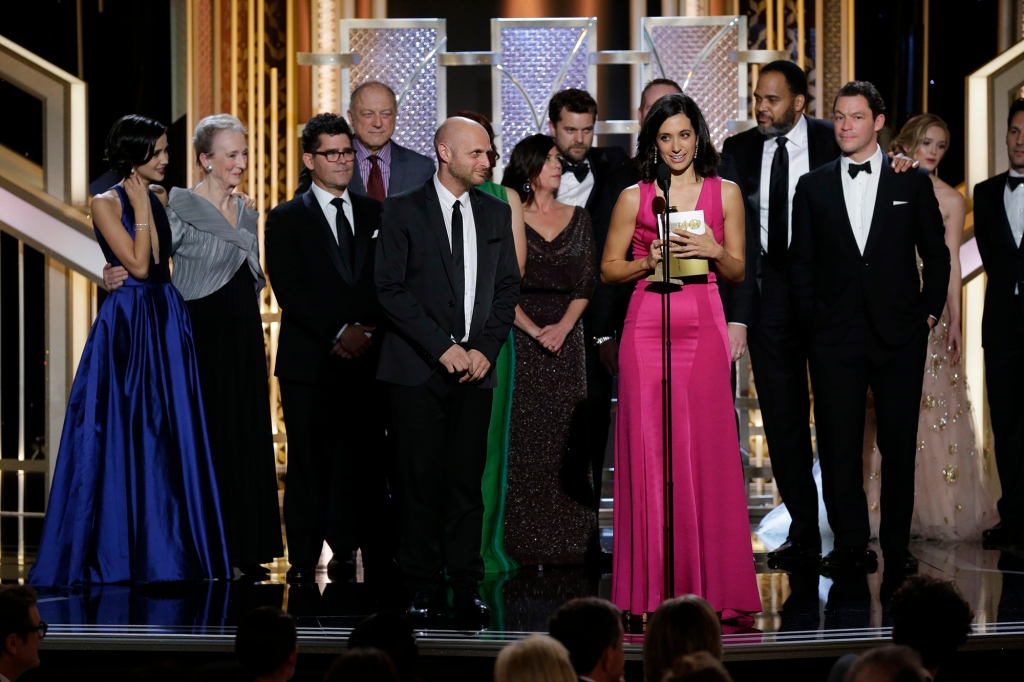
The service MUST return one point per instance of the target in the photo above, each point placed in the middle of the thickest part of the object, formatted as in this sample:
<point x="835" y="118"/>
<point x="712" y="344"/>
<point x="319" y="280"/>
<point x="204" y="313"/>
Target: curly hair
<point x="930" y="616"/>
<point x="525" y="164"/>
<point x="131" y="142"/>
<point x="911" y="135"/>
<point x="573" y="100"/>
<point x="323" y="124"/>
<point x="866" y="90"/>
<point x="706" y="158"/>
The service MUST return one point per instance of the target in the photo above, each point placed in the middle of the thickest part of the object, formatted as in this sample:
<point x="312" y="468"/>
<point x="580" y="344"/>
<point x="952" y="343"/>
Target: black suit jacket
<point x="318" y="291"/>
<point x="830" y="278"/>
<point x="604" y="163"/>
<point x="746" y="150"/>
<point x="409" y="169"/>
<point x="414" y="284"/>
<point x="1002" y="326"/>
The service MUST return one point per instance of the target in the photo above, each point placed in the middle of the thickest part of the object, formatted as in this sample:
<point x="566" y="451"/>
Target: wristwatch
<point x="598" y="340"/>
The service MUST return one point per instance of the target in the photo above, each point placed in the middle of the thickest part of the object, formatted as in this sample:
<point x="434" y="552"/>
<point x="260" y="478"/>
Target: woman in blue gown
<point x="134" y="498"/>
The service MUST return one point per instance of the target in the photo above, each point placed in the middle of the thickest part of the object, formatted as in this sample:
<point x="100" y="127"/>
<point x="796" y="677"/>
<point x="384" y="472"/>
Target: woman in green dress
<point x="496" y="559"/>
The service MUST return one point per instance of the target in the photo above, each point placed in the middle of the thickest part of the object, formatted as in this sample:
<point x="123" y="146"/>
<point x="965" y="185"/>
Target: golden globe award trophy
<point x="680" y="268"/>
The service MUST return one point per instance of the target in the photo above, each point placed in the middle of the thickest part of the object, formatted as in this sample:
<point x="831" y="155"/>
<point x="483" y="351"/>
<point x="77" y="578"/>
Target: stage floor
<point x="803" y="615"/>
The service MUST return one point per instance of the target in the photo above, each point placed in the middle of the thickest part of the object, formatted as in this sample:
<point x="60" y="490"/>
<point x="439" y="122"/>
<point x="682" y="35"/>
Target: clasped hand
<point x="354" y="341"/>
<point x="472" y="362"/>
<point x="552" y="338"/>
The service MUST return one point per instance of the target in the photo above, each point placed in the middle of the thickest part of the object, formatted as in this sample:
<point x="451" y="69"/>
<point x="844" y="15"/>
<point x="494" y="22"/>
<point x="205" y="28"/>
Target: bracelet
<point x="599" y="340"/>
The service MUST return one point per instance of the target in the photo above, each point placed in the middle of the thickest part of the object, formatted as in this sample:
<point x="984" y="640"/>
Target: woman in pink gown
<point x="713" y="555"/>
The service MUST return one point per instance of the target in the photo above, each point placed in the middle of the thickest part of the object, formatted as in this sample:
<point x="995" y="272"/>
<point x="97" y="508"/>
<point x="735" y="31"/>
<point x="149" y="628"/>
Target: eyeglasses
<point x="41" y="629"/>
<point x="333" y="155"/>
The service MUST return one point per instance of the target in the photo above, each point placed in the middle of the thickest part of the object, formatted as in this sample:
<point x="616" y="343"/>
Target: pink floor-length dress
<point x="713" y="555"/>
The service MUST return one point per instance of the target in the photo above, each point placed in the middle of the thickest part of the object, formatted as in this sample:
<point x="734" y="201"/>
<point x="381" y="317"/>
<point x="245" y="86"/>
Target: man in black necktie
<point x="998" y="227"/>
<point x="586" y="173"/>
<point x="320" y="250"/>
<point x="769" y="160"/>
<point x="448" y="281"/>
<point x="858" y="228"/>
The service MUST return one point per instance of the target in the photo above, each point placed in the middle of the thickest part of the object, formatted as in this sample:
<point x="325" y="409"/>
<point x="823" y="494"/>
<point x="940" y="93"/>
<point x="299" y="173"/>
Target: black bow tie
<point x="580" y="169"/>
<point x="857" y="168"/>
<point x="1014" y="182"/>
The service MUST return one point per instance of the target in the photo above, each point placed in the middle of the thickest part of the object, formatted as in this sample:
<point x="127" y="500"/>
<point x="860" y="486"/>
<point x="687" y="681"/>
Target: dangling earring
<point x="655" y="156"/>
<point x="695" y="153"/>
<point x="526" y="188"/>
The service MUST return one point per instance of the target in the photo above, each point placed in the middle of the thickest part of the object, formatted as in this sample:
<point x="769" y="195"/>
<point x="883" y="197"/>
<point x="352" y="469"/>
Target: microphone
<point x="664" y="176"/>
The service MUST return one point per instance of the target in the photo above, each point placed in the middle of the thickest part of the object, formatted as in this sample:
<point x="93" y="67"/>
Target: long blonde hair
<point x="538" y="658"/>
<point x="680" y="626"/>
<point x="911" y="136"/>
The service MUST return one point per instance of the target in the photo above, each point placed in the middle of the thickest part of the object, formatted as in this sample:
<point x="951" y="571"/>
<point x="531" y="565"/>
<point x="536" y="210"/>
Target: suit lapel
<point x="842" y="218"/>
<point x="752" y="175"/>
<point x="815" y="153"/>
<point x="356" y="183"/>
<point x="326" y="235"/>
<point x="396" y="183"/>
<point x="1004" y="220"/>
<point x="364" y="236"/>
<point x="597" y="169"/>
<point x="482" y="234"/>
<point x="436" y="219"/>
<point x="883" y="204"/>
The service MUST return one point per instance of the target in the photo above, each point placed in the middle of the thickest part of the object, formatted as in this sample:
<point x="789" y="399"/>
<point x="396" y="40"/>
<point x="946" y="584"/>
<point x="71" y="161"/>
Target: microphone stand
<point x="666" y="392"/>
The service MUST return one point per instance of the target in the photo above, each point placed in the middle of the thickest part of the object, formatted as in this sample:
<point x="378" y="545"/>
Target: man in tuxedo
<point x="320" y="250"/>
<point x="768" y="162"/>
<point x="586" y="172"/>
<point x="998" y="226"/>
<point x="448" y="280"/>
<point x="383" y="167"/>
<point x="855" y="285"/>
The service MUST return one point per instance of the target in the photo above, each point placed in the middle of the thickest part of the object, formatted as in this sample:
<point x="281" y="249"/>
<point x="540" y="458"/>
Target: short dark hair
<point x="795" y="77"/>
<point x="575" y="100"/>
<point x="706" y="158"/>
<point x="264" y="640"/>
<point x="363" y="664"/>
<point x="323" y="124"/>
<point x="930" y="616"/>
<point x="15" y="603"/>
<point x="1016" y="107"/>
<point x="392" y="634"/>
<point x="898" y="663"/>
<point x="659" y="81"/>
<point x="587" y="627"/>
<point x="700" y="666"/>
<point x="865" y="90"/>
<point x="525" y="164"/>
<point x="131" y="142"/>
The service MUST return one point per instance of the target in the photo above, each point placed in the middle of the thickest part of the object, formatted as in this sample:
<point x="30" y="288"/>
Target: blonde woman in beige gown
<point x="956" y="485"/>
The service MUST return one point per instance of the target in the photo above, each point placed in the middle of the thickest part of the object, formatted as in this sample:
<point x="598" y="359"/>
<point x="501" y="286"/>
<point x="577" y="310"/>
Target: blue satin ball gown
<point x="134" y="497"/>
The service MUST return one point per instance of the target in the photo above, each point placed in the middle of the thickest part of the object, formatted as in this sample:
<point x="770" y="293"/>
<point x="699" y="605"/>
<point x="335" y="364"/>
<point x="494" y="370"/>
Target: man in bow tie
<point x="857" y="230"/>
<point x="998" y="227"/>
<point x="586" y="177"/>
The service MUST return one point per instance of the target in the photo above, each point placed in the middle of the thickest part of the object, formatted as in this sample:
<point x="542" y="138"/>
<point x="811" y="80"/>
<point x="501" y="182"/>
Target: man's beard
<point x="570" y="158"/>
<point x="781" y="126"/>
<point x="465" y="174"/>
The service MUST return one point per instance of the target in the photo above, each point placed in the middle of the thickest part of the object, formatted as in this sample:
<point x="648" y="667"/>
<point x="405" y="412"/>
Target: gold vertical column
<point x="780" y="24"/>
<point x="290" y="91"/>
<point x="769" y="24"/>
<point x="261" y="126"/>
<point x="801" y="57"/>
<point x="251" y="82"/>
<point x="190" y="75"/>
<point x="819" y="59"/>
<point x="234" y="58"/>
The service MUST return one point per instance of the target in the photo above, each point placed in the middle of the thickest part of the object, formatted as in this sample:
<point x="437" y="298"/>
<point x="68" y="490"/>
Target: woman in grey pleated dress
<point x="217" y="270"/>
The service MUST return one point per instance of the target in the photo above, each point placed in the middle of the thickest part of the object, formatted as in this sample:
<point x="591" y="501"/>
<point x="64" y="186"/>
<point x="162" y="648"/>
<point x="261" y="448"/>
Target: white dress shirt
<point x="799" y="165"/>
<point x="324" y="198"/>
<point x="1014" y="204"/>
<point x="860" y="193"/>
<point x="447" y="200"/>
<point x="576" y="193"/>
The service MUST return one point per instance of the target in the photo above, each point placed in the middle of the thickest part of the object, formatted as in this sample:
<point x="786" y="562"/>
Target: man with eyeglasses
<point x="21" y="630"/>
<point x="320" y="250"/>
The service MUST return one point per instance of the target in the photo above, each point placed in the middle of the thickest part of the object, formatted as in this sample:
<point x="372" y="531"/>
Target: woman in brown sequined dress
<point x="550" y="512"/>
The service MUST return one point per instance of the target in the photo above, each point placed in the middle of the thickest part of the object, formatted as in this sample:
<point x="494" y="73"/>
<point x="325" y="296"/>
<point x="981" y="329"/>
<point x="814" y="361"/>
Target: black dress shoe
<point x="467" y="602"/>
<point x="847" y="560"/>
<point x="795" y="550"/>
<point x="899" y="561"/>
<point x="301" y="574"/>
<point x="422" y="605"/>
